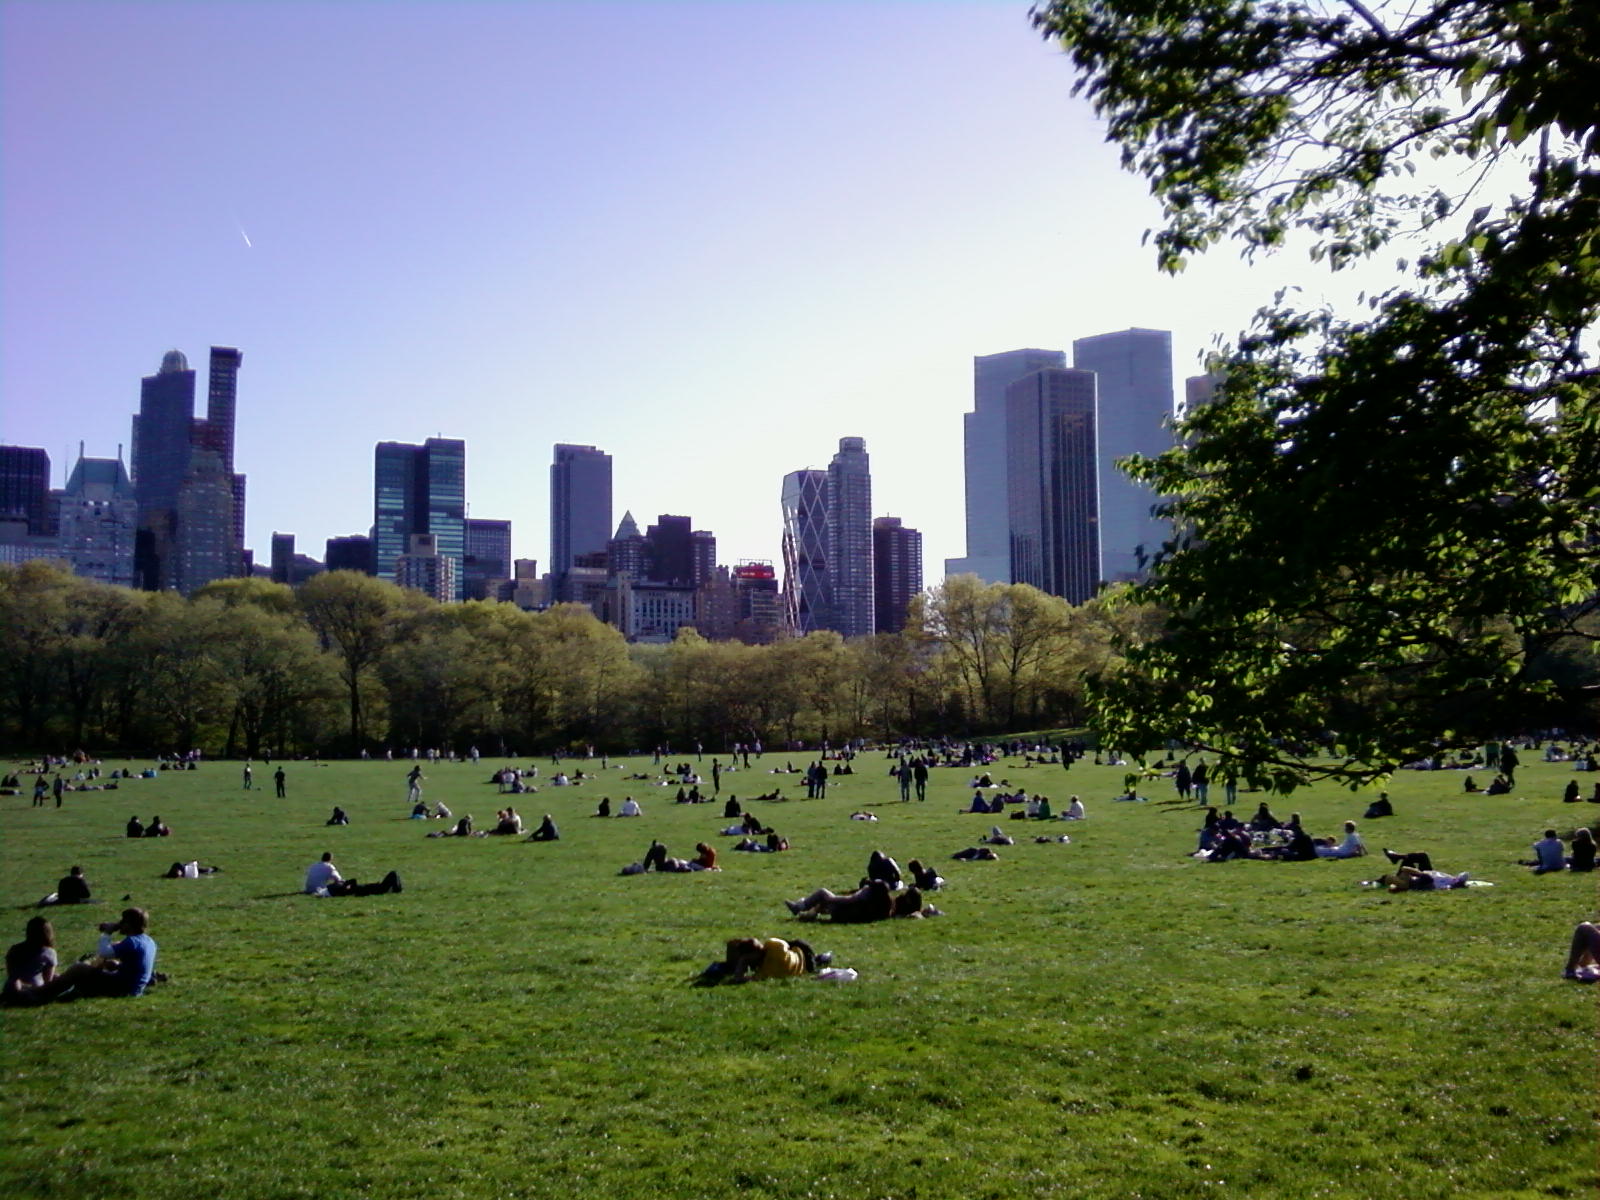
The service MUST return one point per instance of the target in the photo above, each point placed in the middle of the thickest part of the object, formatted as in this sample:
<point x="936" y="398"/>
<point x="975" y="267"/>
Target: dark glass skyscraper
<point x="1052" y="484"/>
<point x="488" y="560"/>
<point x="580" y="506"/>
<point x="25" y="487"/>
<point x="417" y="490"/>
<point x="850" y="537"/>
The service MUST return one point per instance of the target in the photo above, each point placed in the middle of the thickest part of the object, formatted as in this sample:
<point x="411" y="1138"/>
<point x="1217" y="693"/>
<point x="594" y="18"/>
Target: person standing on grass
<point x="278" y="778"/>
<point x="41" y="789"/>
<point x="414" y="785"/>
<point x="59" y="787"/>
<point x="919" y="775"/>
<point x="1182" y="780"/>
<point x="249" y="778"/>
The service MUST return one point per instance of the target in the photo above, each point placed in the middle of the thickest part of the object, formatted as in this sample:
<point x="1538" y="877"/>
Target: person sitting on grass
<point x="1410" y="879"/>
<point x="603" y="809"/>
<point x="135" y="827"/>
<point x="547" y="831"/>
<point x="1351" y="847"/>
<point x="881" y="866"/>
<point x="1583" y="958"/>
<point x="440" y="812"/>
<point x="732" y="809"/>
<point x="1381" y="807"/>
<point x="30" y="964"/>
<point x="1074" y="810"/>
<point x="871" y="902"/>
<point x="1549" y="854"/>
<point x="72" y="889"/>
<point x="157" y="828"/>
<point x="1263" y="821"/>
<point x="507" y="824"/>
<point x="323" y="879"/>
<point x="1471" y="785"/>
<point x="339" y="817"/>
<point x="1499" y="786"/>
<point x="124" y="968"/>
<point x="1582" y="856"/>
<point x="630" y="808"/>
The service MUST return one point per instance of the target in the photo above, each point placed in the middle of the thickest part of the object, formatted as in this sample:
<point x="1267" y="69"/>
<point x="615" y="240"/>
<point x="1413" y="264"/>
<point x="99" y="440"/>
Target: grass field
<point x="1106" y="1018"/>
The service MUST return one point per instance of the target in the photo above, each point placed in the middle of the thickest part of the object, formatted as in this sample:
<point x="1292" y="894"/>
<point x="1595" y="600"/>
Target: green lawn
<point x="1107" y="1018"/>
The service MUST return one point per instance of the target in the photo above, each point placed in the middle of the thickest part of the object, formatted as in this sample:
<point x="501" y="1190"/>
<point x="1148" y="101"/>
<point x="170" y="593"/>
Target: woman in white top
<point x="630" y="808"/>
<point x="1075" y="810"/>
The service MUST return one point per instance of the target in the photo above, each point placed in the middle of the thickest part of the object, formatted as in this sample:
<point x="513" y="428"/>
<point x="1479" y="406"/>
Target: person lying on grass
<point x="871" y="902"/>
<point x="1412" y="879"/>
<point x="770" y="958"/>
<point x="188" y="870"/>
<point x="772" y="845"/>
<point x="462" y="828"/>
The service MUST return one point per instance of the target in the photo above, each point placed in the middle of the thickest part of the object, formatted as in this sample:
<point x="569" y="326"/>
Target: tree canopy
<point x="1386" y="521"/>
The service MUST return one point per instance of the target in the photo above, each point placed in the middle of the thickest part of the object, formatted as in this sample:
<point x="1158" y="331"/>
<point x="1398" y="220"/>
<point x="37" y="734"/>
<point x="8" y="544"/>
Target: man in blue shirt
<point x="126" y="971"/>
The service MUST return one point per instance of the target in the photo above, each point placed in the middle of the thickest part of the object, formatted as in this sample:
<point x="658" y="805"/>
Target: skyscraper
<point x="896" y="572"/>
<point x="25" y="487"/>
<point x="174" y="451"/>
<point x="352" y="553"/>
<point x="99" y="517"/>
<point x="984" y="436"/>
<point x="807" y="586"/>
<point x="1052" y="482"/>
<point x="488" y="558"/>
<point x="1134" y="373"/>
<point x="580" y="506"/>
<point x="850" y="537"/>
<point x="417" y="490"/>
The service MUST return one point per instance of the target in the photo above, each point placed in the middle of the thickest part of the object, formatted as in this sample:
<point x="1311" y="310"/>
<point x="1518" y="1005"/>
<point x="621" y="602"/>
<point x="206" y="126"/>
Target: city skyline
<point x="826" y="254"/>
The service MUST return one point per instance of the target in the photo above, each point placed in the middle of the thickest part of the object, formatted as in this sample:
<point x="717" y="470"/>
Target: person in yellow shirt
<point x="773" y="958"/>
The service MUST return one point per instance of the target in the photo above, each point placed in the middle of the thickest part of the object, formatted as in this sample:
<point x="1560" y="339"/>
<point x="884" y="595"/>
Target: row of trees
<point x="347" y="661"/>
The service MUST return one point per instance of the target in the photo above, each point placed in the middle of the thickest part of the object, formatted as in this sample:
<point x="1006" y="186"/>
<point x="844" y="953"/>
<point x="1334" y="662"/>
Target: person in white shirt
<point x="321" y="874"/>
<point x="1351" y="847"/>
<point x="1075" y="810"/>
<point x="630" y="808"/>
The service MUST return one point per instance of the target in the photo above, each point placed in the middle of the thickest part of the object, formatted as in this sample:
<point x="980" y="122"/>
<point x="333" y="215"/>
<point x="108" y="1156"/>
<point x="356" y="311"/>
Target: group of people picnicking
<point x="883" y="893"/>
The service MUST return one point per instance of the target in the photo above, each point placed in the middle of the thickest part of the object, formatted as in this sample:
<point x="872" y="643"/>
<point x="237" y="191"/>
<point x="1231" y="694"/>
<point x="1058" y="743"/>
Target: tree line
<point x="347" y="662"/>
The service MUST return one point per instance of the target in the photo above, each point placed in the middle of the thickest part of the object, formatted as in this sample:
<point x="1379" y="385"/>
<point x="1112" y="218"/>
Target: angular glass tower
<point x="807" y="586"/>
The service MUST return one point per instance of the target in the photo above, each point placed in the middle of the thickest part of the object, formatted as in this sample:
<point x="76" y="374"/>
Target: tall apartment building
<point x="1133" y="369"/>
<point x="984" y="454"/>
<point x="896" y="572"/>
<point x="580" y="507"/>
<point x="420" y="490"/>
<point x="188" y="533"/>
<point x="427" y="569"/>
<point x="850" y="537"/>
<point x="1053" y="485"/>
<point x="487" y="564"/>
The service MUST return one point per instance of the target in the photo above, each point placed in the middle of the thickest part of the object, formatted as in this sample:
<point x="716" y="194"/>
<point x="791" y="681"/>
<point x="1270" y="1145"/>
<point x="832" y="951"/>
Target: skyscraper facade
<point x="580" y="506"/>
<point x="850" y="537"/>
<point x="173" y="451"/>
<point x="99" y="517"/>
<point x="1053" y="485"/>
<point x="896" y="572"/>
<point x="420" y="490"/>
<point x="984" y="444"/>
<point x="1133" y="369"/>
<point x="352" y="553"/>
<point x="807" y="586"/>
<point x="25" y="487"/>
<point x="488" y="559"/>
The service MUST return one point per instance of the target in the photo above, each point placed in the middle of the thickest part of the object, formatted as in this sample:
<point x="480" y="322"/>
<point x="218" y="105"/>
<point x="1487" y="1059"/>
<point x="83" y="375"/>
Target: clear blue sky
<point x="710" y="238"/>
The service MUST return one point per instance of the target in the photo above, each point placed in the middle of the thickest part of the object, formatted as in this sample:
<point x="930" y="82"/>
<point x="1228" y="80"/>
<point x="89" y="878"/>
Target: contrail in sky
<point x="246" y="237"/>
